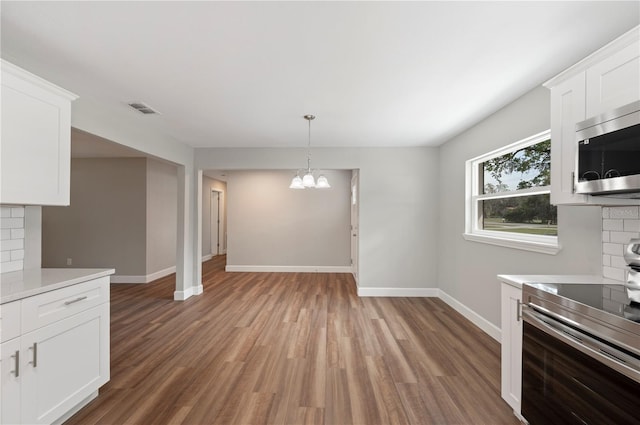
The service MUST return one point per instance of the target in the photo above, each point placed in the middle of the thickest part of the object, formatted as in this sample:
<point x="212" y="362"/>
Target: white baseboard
<point x="198" y="290"/>
<point x="182" y="295"/>
<point x="143" y="278"/>
<point x="207" y="257"/>
<point x="397" y="292"/>
<point x="489" y="328"/>
<point x="290" y="269"/>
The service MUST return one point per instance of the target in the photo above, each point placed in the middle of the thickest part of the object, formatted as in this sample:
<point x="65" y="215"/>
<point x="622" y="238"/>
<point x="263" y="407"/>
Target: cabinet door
<point x="567" y="109"/>
<point x="511" y="362"/>
<point x="614" y="81"/>
<point x="10" y="396"/>
<point x="64" y="363"/>
<point x="36" y="140"/>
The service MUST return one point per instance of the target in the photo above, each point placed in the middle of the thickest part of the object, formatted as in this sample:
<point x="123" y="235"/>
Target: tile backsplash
<point x="11" y="238"/>
<point x="619" y="225"/>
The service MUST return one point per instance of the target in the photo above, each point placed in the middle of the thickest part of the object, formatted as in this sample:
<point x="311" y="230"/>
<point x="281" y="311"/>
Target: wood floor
<point x="288" y="348"/>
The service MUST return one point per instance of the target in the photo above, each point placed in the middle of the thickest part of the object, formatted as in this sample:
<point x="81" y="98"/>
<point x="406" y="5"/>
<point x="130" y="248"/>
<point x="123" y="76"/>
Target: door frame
<point x="215" y="245"/>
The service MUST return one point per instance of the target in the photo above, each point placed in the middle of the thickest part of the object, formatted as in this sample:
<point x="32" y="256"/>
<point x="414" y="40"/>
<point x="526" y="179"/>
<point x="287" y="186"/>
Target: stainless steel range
<point x="581" y="355"/>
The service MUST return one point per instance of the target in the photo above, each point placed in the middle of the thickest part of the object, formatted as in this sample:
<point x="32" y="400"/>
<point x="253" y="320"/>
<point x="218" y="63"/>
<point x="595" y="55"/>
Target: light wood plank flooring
<point x="289" y="348"/>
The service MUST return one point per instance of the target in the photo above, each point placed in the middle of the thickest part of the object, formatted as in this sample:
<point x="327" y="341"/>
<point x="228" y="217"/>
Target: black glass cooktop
<point x="608" y="298"/>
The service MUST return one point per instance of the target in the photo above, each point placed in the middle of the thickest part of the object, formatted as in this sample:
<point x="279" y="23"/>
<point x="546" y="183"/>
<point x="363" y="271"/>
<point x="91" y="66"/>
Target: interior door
<point x="215" y="223"/>
<point x="355" y="202"/>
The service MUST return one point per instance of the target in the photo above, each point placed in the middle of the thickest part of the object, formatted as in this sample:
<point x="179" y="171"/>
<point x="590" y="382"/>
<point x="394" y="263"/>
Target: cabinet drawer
<point x="43" y="309"/>
<point x="9" y="321"/>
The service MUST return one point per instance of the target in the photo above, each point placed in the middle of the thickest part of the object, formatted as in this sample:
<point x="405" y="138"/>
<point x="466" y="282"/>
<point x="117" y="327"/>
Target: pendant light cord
<point x="309" y="118"/>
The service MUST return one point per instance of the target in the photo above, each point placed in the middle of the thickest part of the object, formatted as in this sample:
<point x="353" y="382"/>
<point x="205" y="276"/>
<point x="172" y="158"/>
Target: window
<point x="508" y="197"/>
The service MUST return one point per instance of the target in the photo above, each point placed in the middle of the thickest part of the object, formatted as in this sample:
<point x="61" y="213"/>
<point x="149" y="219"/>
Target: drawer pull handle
<point x="16" y="371"/>
<point x="75" y="301"/>
<point x="35" y="354"/>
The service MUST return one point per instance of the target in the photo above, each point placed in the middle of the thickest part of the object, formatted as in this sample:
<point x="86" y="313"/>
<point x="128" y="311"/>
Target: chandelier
<point x="308" y="181"/>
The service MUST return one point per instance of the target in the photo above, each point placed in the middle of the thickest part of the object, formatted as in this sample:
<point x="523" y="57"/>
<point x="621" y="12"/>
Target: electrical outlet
<point x="68" y="261"/>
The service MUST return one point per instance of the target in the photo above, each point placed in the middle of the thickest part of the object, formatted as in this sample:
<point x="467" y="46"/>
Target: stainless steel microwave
<point x="608" y="160"/>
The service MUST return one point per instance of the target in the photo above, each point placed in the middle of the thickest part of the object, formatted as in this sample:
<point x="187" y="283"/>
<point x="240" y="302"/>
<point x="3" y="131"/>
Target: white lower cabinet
<point x="61" y="363"/>
<point x="511" y="361"/>
<point x="10" y="365"/>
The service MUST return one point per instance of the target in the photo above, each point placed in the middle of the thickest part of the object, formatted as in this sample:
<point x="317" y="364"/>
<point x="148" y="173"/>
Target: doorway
<point x="216" y="230"/>
<point x="355" y="204"/>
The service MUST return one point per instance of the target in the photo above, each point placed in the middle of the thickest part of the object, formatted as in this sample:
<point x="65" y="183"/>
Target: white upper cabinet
<point x="605" y="80"/>
<point x="567" y="108"/>
<point x="614" y="81"/>
<point x="36" y="139"/>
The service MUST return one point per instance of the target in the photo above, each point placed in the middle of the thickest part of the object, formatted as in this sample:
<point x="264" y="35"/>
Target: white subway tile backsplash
<point x="619" y="226"/>
<point x="615" y="225"/>
<point x="19" y="212"/>
<point x="621" y="237"/>
<point x="11" y="266"/>
<point x="12" y="223"/>
<point x="17" y="254"/>
<point x="11" y="238"/>
<point x="612" y="249"/>
<point x="11" y="244"/>
<point x="618" y="262"/>
<point x="632" y="226"/>
<point x="615" y="274"/>
<point x="623" y="212"/>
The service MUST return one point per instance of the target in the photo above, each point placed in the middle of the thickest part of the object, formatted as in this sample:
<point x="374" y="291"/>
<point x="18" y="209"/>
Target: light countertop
<point x="26" y="283"/>
<point x="518" y="280"/>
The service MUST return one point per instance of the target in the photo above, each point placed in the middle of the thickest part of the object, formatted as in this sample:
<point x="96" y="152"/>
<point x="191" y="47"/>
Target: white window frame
<point x="473" y="231"/>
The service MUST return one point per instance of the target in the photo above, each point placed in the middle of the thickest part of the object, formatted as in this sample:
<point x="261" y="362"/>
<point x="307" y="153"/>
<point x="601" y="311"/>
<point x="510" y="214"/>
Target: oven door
<point x="568" y="379"/>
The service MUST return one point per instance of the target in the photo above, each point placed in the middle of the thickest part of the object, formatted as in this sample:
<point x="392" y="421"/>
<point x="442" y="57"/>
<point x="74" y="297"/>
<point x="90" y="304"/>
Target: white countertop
<point x="26" y="283"/>
<point x="518" y="279"/>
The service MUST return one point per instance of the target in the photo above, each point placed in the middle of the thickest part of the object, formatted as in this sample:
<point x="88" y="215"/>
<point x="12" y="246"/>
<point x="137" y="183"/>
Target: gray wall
<point x="162" y="215"/>
<point x="209" y="184"/>
<point x="467" y="270"/>
<point x="123" y="214"/>
<point x="105" y="225"/>
<point x="398" y="204"/>
<point x="270" y="224"/>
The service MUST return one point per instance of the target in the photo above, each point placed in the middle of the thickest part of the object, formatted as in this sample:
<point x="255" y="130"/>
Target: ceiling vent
<point x="144" y="108"/>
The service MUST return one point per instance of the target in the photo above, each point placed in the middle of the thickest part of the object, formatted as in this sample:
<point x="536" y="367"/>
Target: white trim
<point x="289" y="269"/>
<point x="487" y="327"/>
<point x="35" y="80"/>
<point x="473" y="232"/>
<point x="75" y="409"/>
<point x="525" y="245"/>
<point x="397" y="292"/>
<point x="143" y="278"/>
<point x="207" y="257"/>
<point x="183" y="295"/>
<point x="198" y="290"/>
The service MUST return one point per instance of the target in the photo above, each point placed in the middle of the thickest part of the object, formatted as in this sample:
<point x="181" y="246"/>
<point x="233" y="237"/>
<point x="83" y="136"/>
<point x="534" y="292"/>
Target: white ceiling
<point x="242" y="74"/>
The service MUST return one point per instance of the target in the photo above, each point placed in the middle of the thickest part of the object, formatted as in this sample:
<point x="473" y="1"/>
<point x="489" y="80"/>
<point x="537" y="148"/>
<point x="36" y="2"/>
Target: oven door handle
<point x="598" y="351"/>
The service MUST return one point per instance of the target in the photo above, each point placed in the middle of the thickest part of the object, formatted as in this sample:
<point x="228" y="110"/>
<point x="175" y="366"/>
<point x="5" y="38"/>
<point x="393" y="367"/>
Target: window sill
<point x="534" y="246"/>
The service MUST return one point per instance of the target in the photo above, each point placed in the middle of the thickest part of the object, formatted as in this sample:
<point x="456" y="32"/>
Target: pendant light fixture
<point x="308" y="181"/>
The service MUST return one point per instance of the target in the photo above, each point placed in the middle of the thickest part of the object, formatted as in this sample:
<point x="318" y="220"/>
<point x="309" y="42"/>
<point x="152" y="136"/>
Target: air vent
<point x="141" y="107"/>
